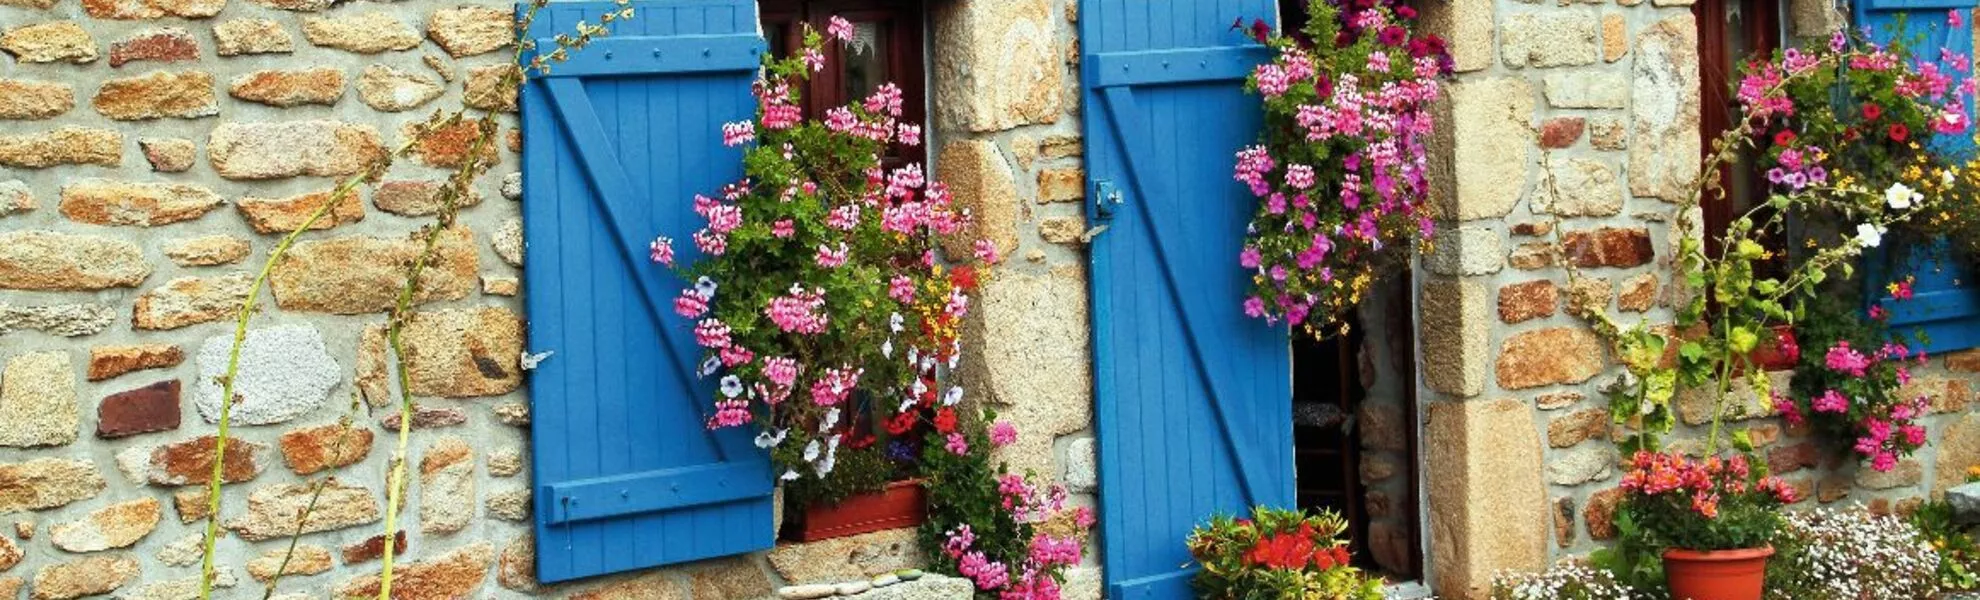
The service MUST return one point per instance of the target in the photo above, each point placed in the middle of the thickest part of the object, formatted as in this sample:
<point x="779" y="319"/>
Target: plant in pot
<point x="819" y="302"/>
<point x="1277" y="553"/>
<point x="1713" y="520"/>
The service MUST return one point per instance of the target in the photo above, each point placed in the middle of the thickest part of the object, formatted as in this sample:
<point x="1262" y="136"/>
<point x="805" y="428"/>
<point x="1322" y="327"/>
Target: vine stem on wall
<point x="471" y="168"/>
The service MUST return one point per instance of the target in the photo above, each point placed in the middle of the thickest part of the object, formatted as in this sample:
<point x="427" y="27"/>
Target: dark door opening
<point x="1354" y="432"/>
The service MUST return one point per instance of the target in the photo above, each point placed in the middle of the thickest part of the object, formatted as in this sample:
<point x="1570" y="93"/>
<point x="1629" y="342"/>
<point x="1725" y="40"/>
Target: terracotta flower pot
<point x="1772" y="353"/>
<point x="901" y="504"/>
<point x="1717" y="575"/>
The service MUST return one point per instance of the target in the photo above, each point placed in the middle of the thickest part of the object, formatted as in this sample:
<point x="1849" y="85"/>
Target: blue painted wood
<point x="1945" y="308"/>
<point x="618" y="141"/>
<point x="1193" y="399"/>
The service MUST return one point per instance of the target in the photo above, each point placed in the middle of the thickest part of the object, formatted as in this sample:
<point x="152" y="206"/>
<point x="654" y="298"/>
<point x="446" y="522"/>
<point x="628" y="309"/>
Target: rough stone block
<point x="284" y="215"/>
<point x="62" y="146"/>
<point x="54" y="41"/>
<point x="1481" y="171"/>
<point x="1456" y="329"/>
<point x="1488" y="503"/>
<point x="158" y="95"/>
<point x="28" y="99"/>
<point x="998" y="65"/>
<point x="285" y="372"/>
<point x="362" y="274"/>
<point x="38" y="401"/>
<point x="110" y="361"/>
<point x="290" y="88"/>
<point x="1664" y="109"/>
<point x="147" y="409"/>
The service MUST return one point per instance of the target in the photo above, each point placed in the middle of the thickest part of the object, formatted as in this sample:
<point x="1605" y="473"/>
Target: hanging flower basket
<point x="900" y="504"/>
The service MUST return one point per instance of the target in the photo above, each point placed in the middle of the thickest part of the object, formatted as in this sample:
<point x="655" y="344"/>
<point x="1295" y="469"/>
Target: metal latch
<point x="1106" y="198"/>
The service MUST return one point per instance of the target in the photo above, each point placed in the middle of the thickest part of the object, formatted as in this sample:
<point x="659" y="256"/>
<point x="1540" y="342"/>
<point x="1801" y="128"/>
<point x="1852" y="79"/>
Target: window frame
<point x="906" y="53"/>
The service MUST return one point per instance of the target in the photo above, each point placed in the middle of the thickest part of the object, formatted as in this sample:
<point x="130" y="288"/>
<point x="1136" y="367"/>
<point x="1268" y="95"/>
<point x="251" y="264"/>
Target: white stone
<point x="285" y="372"/>
<point x="1589" y="462"/>
<point x="853" y="588"/>
<point x="1082" y="465"/>
<point x="1587" y="90"/>
<point x="1578" y="187"/>
<point x="1466" y="251"/>
<point x="806" y="592"/>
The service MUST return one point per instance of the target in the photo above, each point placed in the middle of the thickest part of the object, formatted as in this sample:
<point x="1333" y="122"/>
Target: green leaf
<point x="1741" y="339"/>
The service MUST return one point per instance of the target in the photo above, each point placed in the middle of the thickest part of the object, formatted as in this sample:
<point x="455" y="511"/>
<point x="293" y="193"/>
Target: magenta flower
<point x="1830" y="401"/>
<point x="909" y="135"/>
<point x="783" y="229"/>
<point x="1843" y="359"/>
<point x="832" y="258"/>
<point x="738" y="133"/>
<point x="691" y="304"/>
<point x="839" y="28"/>
<point x="662" y="250"/>
<point x="1003" y="434"/>
<point x="733" y="412"/>
<point x="957" y="445"/>
<point x="1249" y="258"/>
<point x="781" y="370"/>
<point x="711" y="333"/>
<point x="986" y="251"/>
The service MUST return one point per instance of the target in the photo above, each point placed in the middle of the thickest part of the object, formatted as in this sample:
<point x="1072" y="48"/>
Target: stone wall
<point x="1006" y="95"/>
<point x="1581" y="116"/>
<point x="153" y="152"/>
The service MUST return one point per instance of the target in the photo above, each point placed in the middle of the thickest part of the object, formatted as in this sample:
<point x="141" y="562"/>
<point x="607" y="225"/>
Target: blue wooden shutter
<point x="1193" y="399"/>
<point x="619" y="139"/>
<point x="1945" y="307"/>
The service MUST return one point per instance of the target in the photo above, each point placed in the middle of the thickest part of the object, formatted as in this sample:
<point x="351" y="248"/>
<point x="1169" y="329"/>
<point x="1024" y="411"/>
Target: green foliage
<point x="1959" y="554"/>
<point x="1277" y="554"/>
<point x="861" y="471"/>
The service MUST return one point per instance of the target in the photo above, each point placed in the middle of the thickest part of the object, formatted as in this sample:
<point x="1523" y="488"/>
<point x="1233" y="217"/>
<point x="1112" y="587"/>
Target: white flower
<point x="905" y="405"/>
<point x="789" y="475"/>
<point x="767" y="440"/>
<point x="897" y="322"/>
<point x="831" y="418"/>
<point x="954" y="396"/>
<point x="732" y="386"/>
<point x="1869" y="236"/>
<point x="709" y="366"/>
<point x="705" y="287"/>
<point x="913" y="356"/>
<point x="1901" y="196"/>
<point x="920" y="388"/>
<point x="887" y="348"/>
<point x="1946" y="177"/>
<point x="811" y="451"/>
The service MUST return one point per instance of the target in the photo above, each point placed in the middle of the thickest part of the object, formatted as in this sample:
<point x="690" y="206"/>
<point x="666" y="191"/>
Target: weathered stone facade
<point x="152" y="154"/>
<point x="1577" y="124"/>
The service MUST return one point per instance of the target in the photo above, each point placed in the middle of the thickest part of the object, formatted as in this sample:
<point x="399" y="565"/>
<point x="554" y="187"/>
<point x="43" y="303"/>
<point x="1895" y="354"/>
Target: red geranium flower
<point x="945" y="420"/>
<point x="963" y="277"/>
<point x="1899" y="132"/>
<point x="901" y="424"/>
<point x="1286" y="551"/>
<point x="1871" y="111"/>
<point x="1784" y="138"/>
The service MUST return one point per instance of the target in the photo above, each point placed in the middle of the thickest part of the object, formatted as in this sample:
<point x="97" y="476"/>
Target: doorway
<point x="1354" y="432"/>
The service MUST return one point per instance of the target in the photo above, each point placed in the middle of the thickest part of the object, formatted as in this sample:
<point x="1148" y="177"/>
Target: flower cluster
<point x="1340" y="174"/>
<point x="1035" y="575"/>
<point x="1851" y="390"/>
<point x="1563" y="581"/>
<point x="818" y="298"/>
<point x="1710" y="504"/>
<point x="1277" y="554"/>
<point x="1842" y="132"/>
<point x="1825" y="554"/>
<point x="1006" y="533"/>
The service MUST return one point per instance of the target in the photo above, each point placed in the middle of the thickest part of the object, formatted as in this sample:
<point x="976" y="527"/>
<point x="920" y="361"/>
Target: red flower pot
<point x="1777" y="350"/>
<point x="901" y="504"/>
<point x="1717" y="575"/>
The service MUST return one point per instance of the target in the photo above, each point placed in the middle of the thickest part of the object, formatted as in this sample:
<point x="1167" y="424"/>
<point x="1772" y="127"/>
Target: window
<point x="886" y="47"/>
<point x="1730" y="32"/>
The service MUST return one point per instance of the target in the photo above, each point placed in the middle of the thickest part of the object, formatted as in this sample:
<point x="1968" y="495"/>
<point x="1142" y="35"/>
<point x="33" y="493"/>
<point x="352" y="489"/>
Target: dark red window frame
<point x="902" y="24"/>
<point x="1718" y="68"/>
